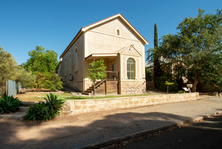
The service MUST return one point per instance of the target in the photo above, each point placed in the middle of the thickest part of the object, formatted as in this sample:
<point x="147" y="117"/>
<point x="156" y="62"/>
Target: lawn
<point x="35" y="96"/>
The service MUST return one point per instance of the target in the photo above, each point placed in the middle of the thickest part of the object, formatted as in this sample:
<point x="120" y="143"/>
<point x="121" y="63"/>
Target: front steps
<point x="89" y="91"/>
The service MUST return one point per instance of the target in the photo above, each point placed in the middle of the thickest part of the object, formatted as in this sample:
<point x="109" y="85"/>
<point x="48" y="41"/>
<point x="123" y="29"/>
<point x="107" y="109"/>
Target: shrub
<point x="48" y="80"/>
<point x="46" y="110"/>
<point x="9" y="104"/>
<point x="181" y="91"/>
<point x="148" y="75"/>
<point x="163" y="87"/>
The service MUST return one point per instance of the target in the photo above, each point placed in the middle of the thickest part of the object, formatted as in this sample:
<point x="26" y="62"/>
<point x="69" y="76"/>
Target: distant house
<point x="121" y="46"/>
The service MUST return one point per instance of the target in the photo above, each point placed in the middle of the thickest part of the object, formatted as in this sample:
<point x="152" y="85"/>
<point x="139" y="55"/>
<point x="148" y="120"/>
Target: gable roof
<point x="86" y="28"/>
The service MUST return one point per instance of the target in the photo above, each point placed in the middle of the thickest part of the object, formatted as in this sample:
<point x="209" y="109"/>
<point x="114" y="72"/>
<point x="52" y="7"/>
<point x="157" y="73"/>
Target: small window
<point x="118" y="32"/>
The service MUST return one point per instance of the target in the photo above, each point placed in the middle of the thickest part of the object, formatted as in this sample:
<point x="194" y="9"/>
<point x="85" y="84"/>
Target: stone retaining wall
<point x="85" y="106"/>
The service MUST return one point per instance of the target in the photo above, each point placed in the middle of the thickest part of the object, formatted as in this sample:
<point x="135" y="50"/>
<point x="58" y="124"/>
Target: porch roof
<point x="101" y="55"/>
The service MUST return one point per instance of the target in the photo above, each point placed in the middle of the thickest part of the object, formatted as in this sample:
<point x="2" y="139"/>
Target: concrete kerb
<point x="144" y="133"/>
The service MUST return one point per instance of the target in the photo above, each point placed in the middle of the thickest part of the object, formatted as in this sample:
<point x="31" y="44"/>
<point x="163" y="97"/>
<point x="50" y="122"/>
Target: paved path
<point x="203" y="135"/>
<point x="86" y="129"/>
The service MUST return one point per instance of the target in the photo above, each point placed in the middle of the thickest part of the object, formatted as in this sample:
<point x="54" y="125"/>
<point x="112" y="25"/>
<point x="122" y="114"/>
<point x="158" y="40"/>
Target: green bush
<point x="148" y="75"/>
<point x="163" y="87"/>
<point x="9" y="104"/>
<point x="181" y="91"/>
<point x="46" y="110"/>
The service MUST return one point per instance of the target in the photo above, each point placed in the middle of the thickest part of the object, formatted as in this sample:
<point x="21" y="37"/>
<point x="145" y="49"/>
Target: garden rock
<point x="215" y="94"/>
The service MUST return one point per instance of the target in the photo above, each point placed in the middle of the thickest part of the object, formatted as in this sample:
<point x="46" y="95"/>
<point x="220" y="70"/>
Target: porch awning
<point x="101" y="55"/>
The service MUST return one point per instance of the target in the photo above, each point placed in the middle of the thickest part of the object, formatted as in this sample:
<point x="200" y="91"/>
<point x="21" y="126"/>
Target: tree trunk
<point x="195" y="83"/>
<point x="93" y="88"/>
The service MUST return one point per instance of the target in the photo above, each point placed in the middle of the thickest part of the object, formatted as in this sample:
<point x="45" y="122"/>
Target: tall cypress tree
<point x="157" y="70"/>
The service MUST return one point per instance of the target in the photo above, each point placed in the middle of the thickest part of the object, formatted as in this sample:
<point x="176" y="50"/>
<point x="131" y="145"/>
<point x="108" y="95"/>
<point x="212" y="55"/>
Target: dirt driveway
<point x="84" y="129"/>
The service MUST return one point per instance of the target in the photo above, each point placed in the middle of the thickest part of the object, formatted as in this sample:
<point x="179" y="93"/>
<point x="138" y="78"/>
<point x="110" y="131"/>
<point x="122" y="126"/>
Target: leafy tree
<point x="198" y="47"/>
<point x="7" y="67"/>
<point x="48" y="80"/>
<point x="41" y="60"/>
<point x="97" y="71"/>
<point x="24" y="77"/>
<point x="43" y="64"/>
<point x="10" y="70"/>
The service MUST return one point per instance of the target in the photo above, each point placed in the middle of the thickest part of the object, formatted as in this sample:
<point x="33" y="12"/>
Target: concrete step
<point x="88" y="91"/>
<point x="85" y="93"/>
<point x="23" y="109"/>
<point x="16" y="115"/>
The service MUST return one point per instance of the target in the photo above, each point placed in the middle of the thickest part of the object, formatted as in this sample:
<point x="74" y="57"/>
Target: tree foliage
<point x="24" y="77"/>
<point x="48" y="80"/>
<point x="43" y="64"/>
<point x="10" y="70"/>
<point x="197" y="48"/>
<point x="97" y="70"/>
<point x="7" y="67"/>
<point x="154" y="56"/>
<point x="41" y="60"/>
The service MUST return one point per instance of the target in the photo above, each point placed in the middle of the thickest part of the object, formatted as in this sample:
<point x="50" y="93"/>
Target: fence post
<point x="106" y="85"/>
<point x="6" y="88"/>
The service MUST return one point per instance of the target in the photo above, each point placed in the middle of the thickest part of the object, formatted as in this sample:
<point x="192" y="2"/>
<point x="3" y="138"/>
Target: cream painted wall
<point x="77" y="82"/>
<point x="104" y="39"/>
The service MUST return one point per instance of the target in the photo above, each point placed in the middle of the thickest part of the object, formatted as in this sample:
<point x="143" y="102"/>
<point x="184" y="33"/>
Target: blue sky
<point x="24" y="24"/>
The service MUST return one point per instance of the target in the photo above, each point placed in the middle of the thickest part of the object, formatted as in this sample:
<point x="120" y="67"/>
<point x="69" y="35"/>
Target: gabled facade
<point x="121" y="46"/>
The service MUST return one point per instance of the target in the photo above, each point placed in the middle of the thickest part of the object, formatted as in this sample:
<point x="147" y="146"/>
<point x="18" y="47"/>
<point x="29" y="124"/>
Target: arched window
<point x="118" y="32"/>
<point x="130" y="69"/>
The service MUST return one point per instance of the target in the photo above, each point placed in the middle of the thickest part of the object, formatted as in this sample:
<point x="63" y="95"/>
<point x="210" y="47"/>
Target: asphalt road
<point x="204" y="135"/>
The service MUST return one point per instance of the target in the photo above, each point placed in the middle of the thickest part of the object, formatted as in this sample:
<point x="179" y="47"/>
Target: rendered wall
<point x="77" y="82"/>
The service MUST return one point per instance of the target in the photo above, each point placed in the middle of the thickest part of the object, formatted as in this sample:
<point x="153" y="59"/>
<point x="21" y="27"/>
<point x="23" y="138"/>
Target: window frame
<point x="118" y="32"/>
<point x="130" y="71"/>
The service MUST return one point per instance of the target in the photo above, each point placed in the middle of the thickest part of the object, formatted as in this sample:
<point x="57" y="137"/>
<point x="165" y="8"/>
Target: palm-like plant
<point x="9" y="104"/>
<point x="54" y="102"/>
<point x="46" y="110"/>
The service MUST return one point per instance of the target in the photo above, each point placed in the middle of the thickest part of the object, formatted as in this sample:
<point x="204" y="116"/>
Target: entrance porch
<point x="110" y="84"/>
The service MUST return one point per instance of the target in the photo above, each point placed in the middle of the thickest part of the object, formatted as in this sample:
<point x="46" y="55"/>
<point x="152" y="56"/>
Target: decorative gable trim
<point x="128" y="47"/>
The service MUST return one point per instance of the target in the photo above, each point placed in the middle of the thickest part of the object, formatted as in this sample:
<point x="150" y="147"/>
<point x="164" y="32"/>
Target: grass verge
<point x="101" y="97"/>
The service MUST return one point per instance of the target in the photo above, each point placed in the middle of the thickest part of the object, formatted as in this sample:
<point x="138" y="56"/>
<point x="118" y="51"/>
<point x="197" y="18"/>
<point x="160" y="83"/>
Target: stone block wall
<point x="132" y="87"/>
<point x="86" y="106"/>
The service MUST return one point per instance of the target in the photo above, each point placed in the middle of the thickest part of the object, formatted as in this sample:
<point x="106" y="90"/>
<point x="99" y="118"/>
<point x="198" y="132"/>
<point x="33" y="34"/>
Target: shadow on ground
<point x="75" y="131"/>
<point x="206" y="134"/>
